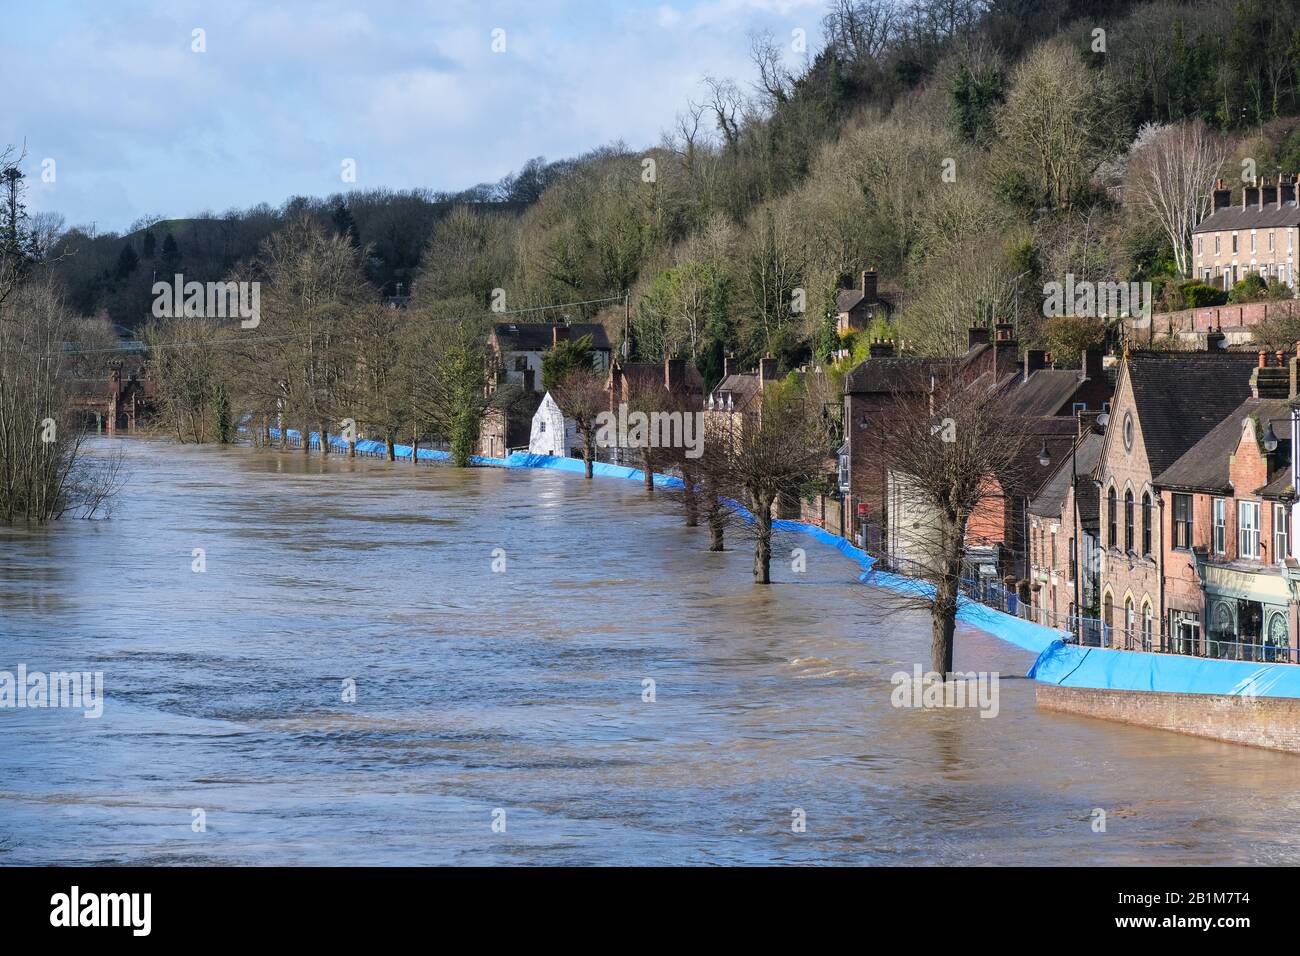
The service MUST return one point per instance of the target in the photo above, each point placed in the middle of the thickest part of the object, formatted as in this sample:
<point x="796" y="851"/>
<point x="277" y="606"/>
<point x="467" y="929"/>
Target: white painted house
<point x="552" y="433"/>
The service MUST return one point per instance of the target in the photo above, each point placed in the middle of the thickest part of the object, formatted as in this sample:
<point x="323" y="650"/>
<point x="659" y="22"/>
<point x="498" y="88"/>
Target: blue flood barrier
<point x="1069" y="665"/>
<point x="1007" y="627"/>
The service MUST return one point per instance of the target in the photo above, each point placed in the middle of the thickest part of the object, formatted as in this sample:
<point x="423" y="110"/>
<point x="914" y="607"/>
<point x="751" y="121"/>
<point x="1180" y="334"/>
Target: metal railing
<point x="1094" y="632"/>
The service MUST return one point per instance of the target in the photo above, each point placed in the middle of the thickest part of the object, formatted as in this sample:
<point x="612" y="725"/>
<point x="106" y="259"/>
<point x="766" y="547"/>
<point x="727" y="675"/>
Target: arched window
<point x="1128" y="520"/>
<point x="1128" y="622"/>
<point x="1112" y="539"/>
<point x="1147" y="621"/>
<point x="1107" y="618"/>
<point x="1146" y="523"/>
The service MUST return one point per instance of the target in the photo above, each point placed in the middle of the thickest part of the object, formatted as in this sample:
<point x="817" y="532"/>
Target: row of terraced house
<point x="1169" y="527"/>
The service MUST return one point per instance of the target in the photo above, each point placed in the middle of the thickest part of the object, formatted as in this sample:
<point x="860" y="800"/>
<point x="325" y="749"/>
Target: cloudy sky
<point x="138" y="123"/>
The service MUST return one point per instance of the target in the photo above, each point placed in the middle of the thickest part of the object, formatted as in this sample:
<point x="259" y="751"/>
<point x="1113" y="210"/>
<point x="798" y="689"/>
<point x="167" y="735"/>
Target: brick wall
<point x="1225" y="317"/>
<point x="1269" y="722"/>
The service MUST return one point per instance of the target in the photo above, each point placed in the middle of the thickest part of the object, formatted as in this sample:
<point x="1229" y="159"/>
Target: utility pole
<point x="627" y="325"/>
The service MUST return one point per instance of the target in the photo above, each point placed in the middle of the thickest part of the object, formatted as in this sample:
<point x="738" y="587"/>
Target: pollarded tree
<point x="774" y="451"/>
<point x="582" y="397"/>
<point x="951" y="451"/>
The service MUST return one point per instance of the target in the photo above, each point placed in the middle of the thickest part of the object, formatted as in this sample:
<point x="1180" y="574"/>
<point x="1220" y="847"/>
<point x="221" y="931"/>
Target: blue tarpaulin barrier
<point x="1070" y="665"/>
<point x="1014" y="630"/>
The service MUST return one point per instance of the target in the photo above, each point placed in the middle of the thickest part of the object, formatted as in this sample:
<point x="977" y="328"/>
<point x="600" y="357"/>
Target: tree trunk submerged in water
<point x="943" y="624"/>
<point x="689" y="497"/>
<point x="763" y="542"/>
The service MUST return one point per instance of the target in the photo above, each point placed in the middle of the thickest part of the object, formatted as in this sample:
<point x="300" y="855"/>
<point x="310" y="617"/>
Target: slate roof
<point x="848" y="299"/>
<point x="1252" y="217"/>
<point x="1051" y="498"/>
<point x="742" y="386"/>
<point x="1204" y="466"/>
<point x="538" y="336"/>
<point x="1181" y="396"/>
<point x="1047" y="392"/>
<point x="887" y="373"/>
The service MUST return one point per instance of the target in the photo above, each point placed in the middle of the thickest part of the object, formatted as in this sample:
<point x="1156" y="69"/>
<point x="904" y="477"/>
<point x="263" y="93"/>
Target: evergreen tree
<point x="345" y="225"/>
<point x="150" y="243"/>
<point x="171" y="252"/>
<point x="126" y="262"/>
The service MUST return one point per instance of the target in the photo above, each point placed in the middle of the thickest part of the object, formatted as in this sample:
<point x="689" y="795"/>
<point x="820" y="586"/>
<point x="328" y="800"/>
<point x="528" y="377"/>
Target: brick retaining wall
<point x="1269" y="722"/>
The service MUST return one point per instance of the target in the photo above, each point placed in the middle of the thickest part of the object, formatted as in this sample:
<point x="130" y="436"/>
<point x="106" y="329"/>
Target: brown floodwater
<point x="522" y="690"/>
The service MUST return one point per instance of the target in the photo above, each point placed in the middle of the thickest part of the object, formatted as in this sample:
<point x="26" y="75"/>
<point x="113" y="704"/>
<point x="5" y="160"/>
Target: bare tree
<point x="951" y="452"/>
<point x="582" y="397"/>
<point x="775" y="451"/>
<point x="1171" y="170"/>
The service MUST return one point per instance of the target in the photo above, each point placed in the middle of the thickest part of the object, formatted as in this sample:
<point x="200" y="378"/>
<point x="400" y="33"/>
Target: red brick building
<point x="1227" y="589"/>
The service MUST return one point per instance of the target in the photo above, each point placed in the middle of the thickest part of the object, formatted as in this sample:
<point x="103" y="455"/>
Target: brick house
<point x="857" y="308"/>
<point x="1064" y="535"/>
<point x="1258" y="234"/>
<point x="676" y="381"/>
<point x="515" y="377"/>
<point x="1165" y="402"/>
<point x="507" y="420"/>
<point x="1227" y="587"/>
<point x="1046" y="398"/>
<point x="518" y="349"/>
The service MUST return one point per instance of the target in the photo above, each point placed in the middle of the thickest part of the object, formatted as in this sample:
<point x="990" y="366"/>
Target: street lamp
<point x="1270" y="439"/>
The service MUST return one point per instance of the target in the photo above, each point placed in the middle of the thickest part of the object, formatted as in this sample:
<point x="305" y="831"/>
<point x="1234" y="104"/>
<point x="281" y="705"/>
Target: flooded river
<point x="515" y="695"/>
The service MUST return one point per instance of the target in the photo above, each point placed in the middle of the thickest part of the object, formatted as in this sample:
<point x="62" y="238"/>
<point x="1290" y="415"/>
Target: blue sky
<point x="137" y="123"/>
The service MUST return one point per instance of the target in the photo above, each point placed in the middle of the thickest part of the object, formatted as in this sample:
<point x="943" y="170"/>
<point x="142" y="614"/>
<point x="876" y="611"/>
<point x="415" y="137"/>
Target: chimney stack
<point x="1249" y="196"/>
<point x="1214" y="341"/>
<point x="1090" y="366"/>
<point x="977" y="335"/>
<point x="1269" y="381"/>
<point x="880" y="348"/>
<point x="1222" y="196"/>
<point x="869" y="285"/>
<point x="726" y="365"/>
<point x="559" y="333"/>
<point x="1035" y="359"/>
<point x="675" y="374"/>
<point x="766" y="371"/>
<point x="1005" y="349"/>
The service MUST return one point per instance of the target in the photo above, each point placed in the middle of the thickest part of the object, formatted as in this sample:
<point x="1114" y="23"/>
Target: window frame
<point x="1248" y="533"/>
<point x="1128" y="520"/>
<point x="1281" y="533"/>
<point x="1181" y="541"/>
<point x="1112" y="505"/>
<point x="1219" y="525"/>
